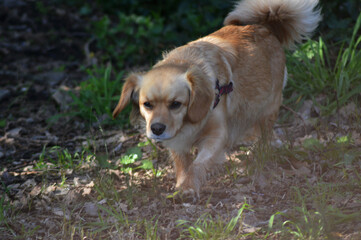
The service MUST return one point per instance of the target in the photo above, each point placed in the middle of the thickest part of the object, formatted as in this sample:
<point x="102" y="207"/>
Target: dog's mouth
<point x="159" y="138"/>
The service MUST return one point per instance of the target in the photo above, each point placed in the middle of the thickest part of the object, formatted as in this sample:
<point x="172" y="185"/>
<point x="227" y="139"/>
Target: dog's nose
<point x="157" y="128"/>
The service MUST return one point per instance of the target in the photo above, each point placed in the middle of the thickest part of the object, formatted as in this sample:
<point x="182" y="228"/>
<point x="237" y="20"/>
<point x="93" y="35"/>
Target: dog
<point x="220" y="89"/>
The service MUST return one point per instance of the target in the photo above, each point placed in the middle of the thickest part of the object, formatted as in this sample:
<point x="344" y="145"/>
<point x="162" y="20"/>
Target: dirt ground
<point x="41" y="54"/>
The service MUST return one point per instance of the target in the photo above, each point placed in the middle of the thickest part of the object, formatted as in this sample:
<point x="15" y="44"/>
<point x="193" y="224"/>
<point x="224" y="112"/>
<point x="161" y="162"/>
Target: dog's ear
<point x="201" y="95"/>
<point x="129" y="92"/>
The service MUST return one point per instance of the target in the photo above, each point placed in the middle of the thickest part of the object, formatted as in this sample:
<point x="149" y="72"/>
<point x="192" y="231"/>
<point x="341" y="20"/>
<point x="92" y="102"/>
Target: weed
<point x="4" y="209"/>
<point x="105" y="187"/>
<point x="312" y="217"/>
<point x="150" y="228"/>
<point x="206" y="227"/>
<point x="147" y="164"/>
<point x="110" y="219"/>
<point x="98" y="96"/>
<point x="313" y="72"/>
<point x="60" y="158"/>
<point x="2" y="123"/>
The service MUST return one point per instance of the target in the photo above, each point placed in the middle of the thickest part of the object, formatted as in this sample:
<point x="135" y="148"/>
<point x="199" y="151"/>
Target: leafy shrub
<point x="338" y="18"/>
<point x="132" y="39"/>
<point x="136" y="32"/>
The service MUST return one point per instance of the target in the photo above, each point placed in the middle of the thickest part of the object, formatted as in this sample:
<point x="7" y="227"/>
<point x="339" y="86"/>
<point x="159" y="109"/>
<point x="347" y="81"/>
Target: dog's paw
<point x="189" y="195"/>
<point x="189" y="189"/>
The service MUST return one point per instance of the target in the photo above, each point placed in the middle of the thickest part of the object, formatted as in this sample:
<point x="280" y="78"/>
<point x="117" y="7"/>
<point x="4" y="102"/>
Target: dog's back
<point x="253" y="42"/>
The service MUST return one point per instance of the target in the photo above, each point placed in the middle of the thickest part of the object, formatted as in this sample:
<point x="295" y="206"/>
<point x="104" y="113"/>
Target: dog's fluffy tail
<point x="290" y="20"/>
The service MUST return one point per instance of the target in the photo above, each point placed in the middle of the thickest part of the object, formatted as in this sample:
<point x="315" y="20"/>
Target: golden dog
<point x="212" y="92"/>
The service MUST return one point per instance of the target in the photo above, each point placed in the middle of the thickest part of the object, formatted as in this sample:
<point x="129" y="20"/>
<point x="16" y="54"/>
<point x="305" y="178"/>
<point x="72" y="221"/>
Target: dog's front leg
<point x="182" y="163"/>
<point x="211" y="154"/>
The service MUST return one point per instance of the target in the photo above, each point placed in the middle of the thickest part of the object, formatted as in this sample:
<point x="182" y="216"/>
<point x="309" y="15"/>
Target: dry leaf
<point x="86" y="191"/>
<point x="35" y="191"/>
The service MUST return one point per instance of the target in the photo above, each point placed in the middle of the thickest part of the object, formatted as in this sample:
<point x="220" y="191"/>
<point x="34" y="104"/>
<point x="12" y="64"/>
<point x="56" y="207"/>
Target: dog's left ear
<point x="201" y="95"/>
<point x="129" y="92"/>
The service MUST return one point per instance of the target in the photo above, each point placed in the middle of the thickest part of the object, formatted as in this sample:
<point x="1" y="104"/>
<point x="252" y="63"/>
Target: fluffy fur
<point x="176" y="96"/>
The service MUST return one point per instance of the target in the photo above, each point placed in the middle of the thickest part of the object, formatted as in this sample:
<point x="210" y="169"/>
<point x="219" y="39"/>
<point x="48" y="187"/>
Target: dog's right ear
<point x="129" y="91"/>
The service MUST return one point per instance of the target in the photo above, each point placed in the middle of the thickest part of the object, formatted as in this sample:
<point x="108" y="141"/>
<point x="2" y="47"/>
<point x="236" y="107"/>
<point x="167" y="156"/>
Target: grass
<point x="318" y="210"/>
<point x="314" y="70"/>
<point x="59" y="158"/>
<point x="313" y="217"/>
<point x="331" y="79"/>
<point x="208" y="227"/>
<point x="97" y="96"/>
<point x="314" y="210"/>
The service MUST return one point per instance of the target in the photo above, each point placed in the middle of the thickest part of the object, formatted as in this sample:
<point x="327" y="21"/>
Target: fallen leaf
<point x="86" y="191"/>
<point x="35" y="191"/>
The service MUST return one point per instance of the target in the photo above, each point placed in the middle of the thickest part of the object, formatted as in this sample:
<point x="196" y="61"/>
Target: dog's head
<point x="168" y="96"/>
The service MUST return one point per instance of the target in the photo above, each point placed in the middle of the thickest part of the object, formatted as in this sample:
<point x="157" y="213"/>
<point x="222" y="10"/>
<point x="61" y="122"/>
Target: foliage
<point x="136" y="32"/>
<point x="98" y="95"/>
<point x="206" y="227"/>
<point x="139" y="33"/>
<point x="133" y="39"/>
<point x="133" y="33"/>
<point x="338" y="18"/>
<point x="316" y="223"/>
<point x="314" y="70"/>
<point x="60" y="158"/>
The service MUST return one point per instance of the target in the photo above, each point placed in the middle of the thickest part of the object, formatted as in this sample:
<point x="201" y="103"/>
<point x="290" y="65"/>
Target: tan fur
<point x="128" y="89"/>
<point x="201" y="95"/>
<point x="251" y="57"/>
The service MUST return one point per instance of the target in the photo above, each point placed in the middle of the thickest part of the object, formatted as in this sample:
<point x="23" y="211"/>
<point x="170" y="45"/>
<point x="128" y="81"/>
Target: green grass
<point x="315" y="210"/>
<point x="60" y="158"/>
<point x="312" y="215"/>
<point x="208" y="227"/>
<point x="311" y="209"/>
<point x="314" y="70"/>
<point x="98" y="96"/>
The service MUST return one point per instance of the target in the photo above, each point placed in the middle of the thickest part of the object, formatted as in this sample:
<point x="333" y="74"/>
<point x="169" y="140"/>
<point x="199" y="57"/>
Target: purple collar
<point x="225" y="89"/>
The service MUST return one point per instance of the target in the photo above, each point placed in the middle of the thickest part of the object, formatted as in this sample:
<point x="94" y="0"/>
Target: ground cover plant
<point x="68" y="171"/>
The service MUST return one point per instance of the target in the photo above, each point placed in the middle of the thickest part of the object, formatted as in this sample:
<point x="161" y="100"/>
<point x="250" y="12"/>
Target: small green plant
<point x="60" y="158"/>
<point x="4" y="209"/>
<point x="2" y="123"/>
<point x="151" y="229"/>
<point x="147" y="164"/>
<point x="312" y="216"/>
<point x="206" y="227"/>
<point x="112" y="219"/>
<point x="97" y="96"/>
<point x="313" y="71"/>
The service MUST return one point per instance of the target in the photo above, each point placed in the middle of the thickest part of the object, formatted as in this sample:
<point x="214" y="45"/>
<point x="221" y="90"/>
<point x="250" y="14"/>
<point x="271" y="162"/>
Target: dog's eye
<point x="175" y="105"/>
<point x="148" y="105"/>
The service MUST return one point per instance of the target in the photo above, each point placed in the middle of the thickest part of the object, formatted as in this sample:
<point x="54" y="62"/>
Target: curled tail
<point x="289" y="20"/>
